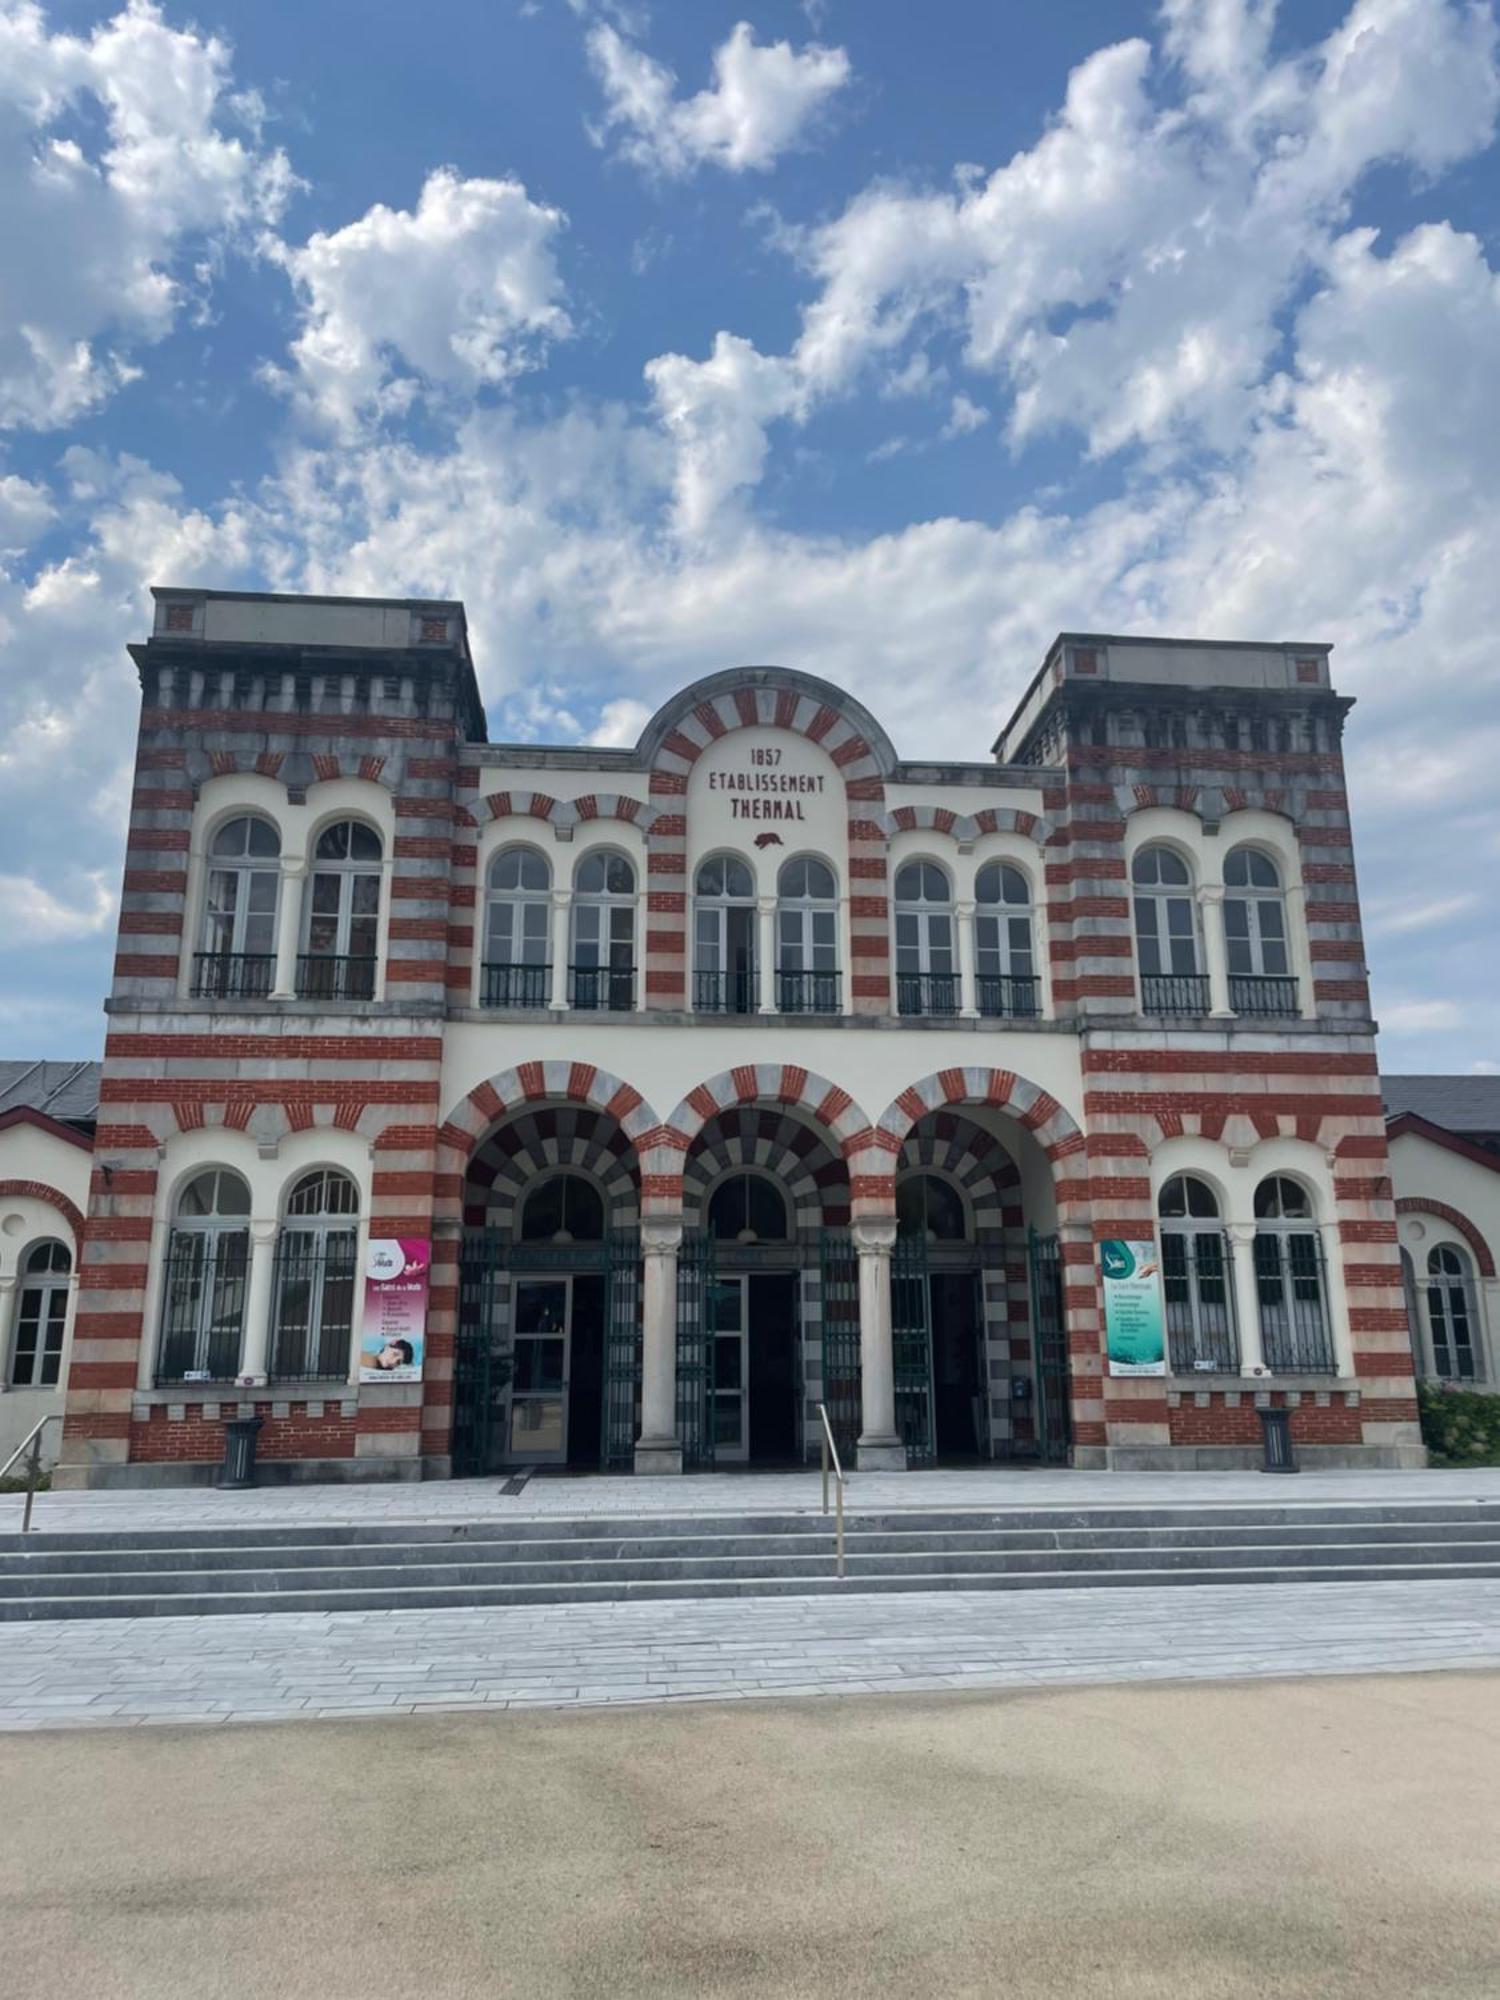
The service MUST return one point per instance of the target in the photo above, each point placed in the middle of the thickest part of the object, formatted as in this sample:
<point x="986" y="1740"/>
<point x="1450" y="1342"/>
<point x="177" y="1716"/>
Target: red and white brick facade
<point x="309" y="711"/>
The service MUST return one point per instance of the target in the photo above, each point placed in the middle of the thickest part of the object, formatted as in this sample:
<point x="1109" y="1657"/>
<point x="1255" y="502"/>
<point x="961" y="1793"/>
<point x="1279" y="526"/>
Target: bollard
<point x="239" y="1453"/>
<point x="1276" y="1435"/>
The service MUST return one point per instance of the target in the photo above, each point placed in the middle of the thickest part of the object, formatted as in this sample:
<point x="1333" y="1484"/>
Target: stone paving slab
<point x="622" y="1496"/>
<point x="112" y="1673"/>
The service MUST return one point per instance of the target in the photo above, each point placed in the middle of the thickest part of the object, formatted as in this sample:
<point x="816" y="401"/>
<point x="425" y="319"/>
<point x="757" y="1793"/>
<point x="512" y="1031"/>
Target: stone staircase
<point x="494" y="1561"/>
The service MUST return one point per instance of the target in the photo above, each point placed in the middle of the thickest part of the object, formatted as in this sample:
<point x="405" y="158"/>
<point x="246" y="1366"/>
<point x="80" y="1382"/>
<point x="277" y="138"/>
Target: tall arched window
<point x="238" y="956"/>
<point x="747" y="1208"/>
<point x="565" y="1208"/>
<point x="807" y="937"/>
<point x="603" y="961"/>
<point x="1196" y="1278"/>
<point x="1453" y="1314"/>
<point x="930" y="1207"/>
<point x="208" y="1261"/>
<point x="1005" y="958"/>
<point x="1260" y="970"/>
<point x="1166" y="934"/>
<point x="926" y="952"/>
<point x="41" y="1317"/>
<point x="342" y="928"/>
<point x="315" y="1264"/>
<point x="516" y="970"/>
<point x="1296" y="1336"/>
<point x="724" y="937"/>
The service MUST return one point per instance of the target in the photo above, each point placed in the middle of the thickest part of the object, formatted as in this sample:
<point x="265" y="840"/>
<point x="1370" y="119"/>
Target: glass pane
<point x="536" y="1428"/>
<point x="325" y="894"/>
<point x="711" y="877"/>
<point x="767" y="1210"/>
<point x="498" y="935"/>
<point x="541" y="1307"/>
<point x="737" y="880"/>
<point x="728" y="1359"/>
<point x="727" y="1300"/>
<point x="909" y="883"/>
<point x="539" y="1364"/>
<point x="364" y="898"/>
<point x="333" y="843"/>
<point x="728" y="1416"/>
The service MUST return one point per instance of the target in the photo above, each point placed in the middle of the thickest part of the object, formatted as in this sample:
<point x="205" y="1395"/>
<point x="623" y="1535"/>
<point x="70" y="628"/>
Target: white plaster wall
<point x="28" y="1153"/>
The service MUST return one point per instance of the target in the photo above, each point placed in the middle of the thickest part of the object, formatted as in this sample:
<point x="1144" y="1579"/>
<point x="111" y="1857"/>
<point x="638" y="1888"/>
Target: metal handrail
<point x="831" y="1451"/>
<point x="33" y="1438"/>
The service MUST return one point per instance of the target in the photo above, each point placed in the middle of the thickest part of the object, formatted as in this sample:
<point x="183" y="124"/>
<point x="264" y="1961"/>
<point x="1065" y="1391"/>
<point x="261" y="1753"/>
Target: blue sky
<point x="877" y="342"/>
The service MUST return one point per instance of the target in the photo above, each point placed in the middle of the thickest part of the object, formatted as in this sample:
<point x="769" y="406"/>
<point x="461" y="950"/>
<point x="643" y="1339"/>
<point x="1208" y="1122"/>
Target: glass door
<point x="539" y="1385"/>
<point x="731" y="1373"/>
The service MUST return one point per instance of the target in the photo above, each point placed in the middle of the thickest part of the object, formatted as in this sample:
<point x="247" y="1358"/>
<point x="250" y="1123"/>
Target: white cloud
<point x="458" y="294"/>
<point x="1415" y="1017"/>
<point x="964" y="416"/>
<point x="29" y="910"/>
<point x="620" y="724"/>
<point x="763" y="99"/>
<point x="25" y="510"/>
<point x="104" y="232"/>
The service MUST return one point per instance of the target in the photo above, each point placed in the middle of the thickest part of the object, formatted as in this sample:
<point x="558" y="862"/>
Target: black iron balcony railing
<point x="927" y="993"/>
<point x="504" y="985"/>
<point x="1263" y="993"/>
<point x="724" y="992"/>
<point x="1012" y="997"/>
<point x="1295" y="1334"/>
<point x="1174" y="992"/>
<point x="328" y="976"/>
<point x="807" y="992"/>
<point x="233" y="975"/>
<point x="601" y="989"/>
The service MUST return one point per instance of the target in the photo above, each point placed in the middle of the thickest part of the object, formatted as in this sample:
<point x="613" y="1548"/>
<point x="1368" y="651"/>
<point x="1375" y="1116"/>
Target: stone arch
<point x="772" y="697"/>
<point x="54" y="1198"/>
<point x="532" y="1083"/>
<point x="294" y="769"/>
<point x="1033" y="1108"/>
<point x="563" y="814"/>
<point x="546" y="1139"/>
<point x="776" y="1140"/>
<point x="1209" y="803"/>
<point x="965" y="828"/>
<point x="973" y="1159"/>
<point x="772" y="1083"/>
<point x="1415" y="1204"/>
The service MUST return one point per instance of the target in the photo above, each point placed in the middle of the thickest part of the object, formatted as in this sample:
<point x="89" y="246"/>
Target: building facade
<point x="1444" y="1137"/>
<point x="752" y="1068"/>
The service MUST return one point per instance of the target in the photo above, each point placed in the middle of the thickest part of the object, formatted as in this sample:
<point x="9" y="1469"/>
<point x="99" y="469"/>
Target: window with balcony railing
<point x="602" y="989"/>
<point x="1263" y="994"/>
<point x="1006" y="987"/>
<point x="1255" y="936"/>
<point x="927" y="993"/>
<point x="1168" y="955"/>
<point x="238" y="958"/>
<point x="233" y="975"/>
<point x="333" y="976"/>
<point x="926" y="946"/>
<point x="1295" y="1330"/>
<point x="1008" y="997"/>
<point x="509" y="985"/>
<point x="601" y="975"/>
<point x="725" y="992"/>
<point x="1174" y="992"/>
<point x="807" y="992"/>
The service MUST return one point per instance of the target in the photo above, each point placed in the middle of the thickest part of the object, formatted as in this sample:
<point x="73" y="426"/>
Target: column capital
<point x="293" y="867"/>
<point x="263" y="1234"/>
<point x="1241" y="1232"/>
<point x="1210" y="892"/>
<point x="561" y="898"/>
<point x="661" y="1235"/>
<point x="874" y="1235"/>
<point x="964" y="909"/>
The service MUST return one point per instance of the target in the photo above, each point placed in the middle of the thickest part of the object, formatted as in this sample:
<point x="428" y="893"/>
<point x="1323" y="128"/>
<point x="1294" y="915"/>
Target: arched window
<point x="1260" y="970"/>
<point x="238" y="956"/>
<point x="1294" y="1327"/>
<point x="1166" y="934"/>
<point x="807" y="937"/>
<point x="1196" y="1278"/>
<point x="564" y="1209"/>
<point x="1004" y="953"/>
<point x="747" y="1208"/>
<point x="342" y="929"/>
<point x="1453" y="1314"/>
<point x="41" y="1317"/>
<point x="724" y="937"/>
<point x="603" y="961"/>
<point x="926" y="964"/>
<point x="930" y="1207"/>
<point x="315" y="1265"/>
<point x="208" y="1261"/>
<point x="517" y="930"/>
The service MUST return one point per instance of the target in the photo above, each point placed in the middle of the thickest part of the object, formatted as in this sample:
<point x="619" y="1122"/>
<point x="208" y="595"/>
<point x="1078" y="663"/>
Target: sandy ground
<point x="1303" y="1838"/>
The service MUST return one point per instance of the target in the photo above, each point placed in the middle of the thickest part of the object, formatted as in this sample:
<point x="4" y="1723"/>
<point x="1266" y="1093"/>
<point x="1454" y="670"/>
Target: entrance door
<point x="731" y="1373"/>
<point x="539" y="1384"/>
<point x="957" y="1370"/>
<point x="755" y="1368"/>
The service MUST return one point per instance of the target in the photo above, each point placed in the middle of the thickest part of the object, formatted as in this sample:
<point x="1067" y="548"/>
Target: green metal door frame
<point x="1049" y="1349"/>
<point x="911" y="1348"/>
<point x="695" y="1352"/>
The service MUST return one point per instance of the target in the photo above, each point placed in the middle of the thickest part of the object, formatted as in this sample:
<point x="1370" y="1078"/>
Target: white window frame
<point x="799" y="919"/>
<point x="346" y="872"/>
<point x="611" y="913"/>
<point x="1256" y="899"/>
<point x="242" y="871"/>
<point x="52" y="1290"/>
<point x="924" y="918"/>
<point x="1439" y="1289"/>
<point x="215" y="1232"/>
<point x="1212" y="1329"/>
<point x="306" y="1234"/>
<point x="715" y="907"/>
<point x="1159" y="897"/>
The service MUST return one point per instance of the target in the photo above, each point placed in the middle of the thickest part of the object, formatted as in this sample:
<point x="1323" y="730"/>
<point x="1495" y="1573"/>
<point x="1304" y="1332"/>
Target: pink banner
<point x="393" y="1332"/>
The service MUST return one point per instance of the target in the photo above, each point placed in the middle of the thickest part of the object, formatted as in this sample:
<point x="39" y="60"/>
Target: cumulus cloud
<point x="763" y="99"/>
<point x="31" y="911"/>
<point x="104" y="227"/>
<point x="458" y="294"/>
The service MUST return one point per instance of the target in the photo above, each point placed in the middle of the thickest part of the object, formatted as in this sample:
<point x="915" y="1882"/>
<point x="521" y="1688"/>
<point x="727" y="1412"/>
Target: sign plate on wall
<point x="1134" y="1322"/>
<point x="393" y="1333"/>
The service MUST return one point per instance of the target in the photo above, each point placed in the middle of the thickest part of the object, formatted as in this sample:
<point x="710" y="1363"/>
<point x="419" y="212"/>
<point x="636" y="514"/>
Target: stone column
<point x="879" y="1449"/>
<point x="7" y="1321"/>
<point x="658" y="1449"/>
<point x="288" y="926"/>
<point x="1246" y="1297"/>
<point x="1215" y="948"/>
<point x="968" y="985"/>
<point x="558" y="998"/>
<point x="259" y="1305"/>
<point x="765" y="953"/>
<point x="1299" y="960"/>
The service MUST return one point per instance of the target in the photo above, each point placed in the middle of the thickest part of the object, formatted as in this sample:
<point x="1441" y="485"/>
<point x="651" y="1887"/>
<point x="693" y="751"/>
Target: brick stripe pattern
<point x="53" y="1197"/>
<point x="1416" y="1204"/>
<point x="535" y="1144"/>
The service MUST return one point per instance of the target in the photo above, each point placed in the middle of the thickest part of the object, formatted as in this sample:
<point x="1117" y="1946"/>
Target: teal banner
<point x="1134" y="1322"/>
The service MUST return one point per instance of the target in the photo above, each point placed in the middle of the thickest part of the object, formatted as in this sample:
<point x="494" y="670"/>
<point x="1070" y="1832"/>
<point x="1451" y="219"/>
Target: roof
<point x="1457" y="1103"/>
<point x="65" y="1091"/>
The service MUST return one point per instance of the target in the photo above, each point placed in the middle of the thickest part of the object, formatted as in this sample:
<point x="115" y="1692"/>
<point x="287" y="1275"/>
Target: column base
<point x="658" y="1458"/>
<point x="880" y="1455"/>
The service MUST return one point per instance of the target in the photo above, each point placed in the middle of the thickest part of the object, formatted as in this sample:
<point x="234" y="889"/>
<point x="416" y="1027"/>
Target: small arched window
<point x="926" y="962"/>
<point x="1453" y="1314"/>
<point x="807" y="937"/>
<point x="747" y="1208"/>
<point x="208" y="1261"/>
<point x="517" y="931"/>
<point x="41" y="1316"/>
<point x="603" y="961"/>
<point x="238" y="956"/>
<point x="1166" y="934"/>
<point x="724" y="966"/>
<point x="342" y="929"/>
<point x="1196" y="1280"/>
<point x="1004" y="950"/>
<point x="1295" y="1331"/>
<point x="312" y="1333"/>
<point x="1260" y="973"/>
<point x="930" y="1207"/>
<point x="563" y="1209"/>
